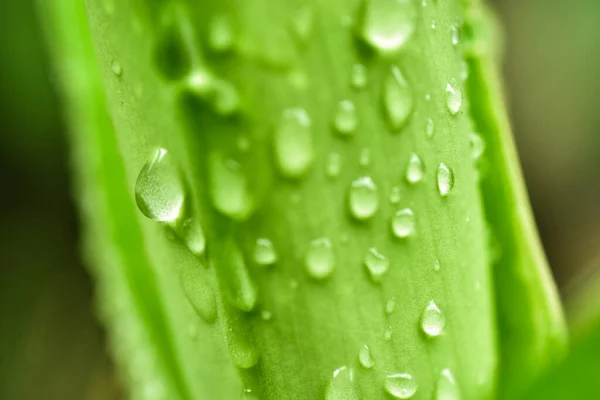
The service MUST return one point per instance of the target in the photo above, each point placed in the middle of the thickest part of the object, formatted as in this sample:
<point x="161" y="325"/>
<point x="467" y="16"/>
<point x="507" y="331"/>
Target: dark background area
<point x="51" y="346"/>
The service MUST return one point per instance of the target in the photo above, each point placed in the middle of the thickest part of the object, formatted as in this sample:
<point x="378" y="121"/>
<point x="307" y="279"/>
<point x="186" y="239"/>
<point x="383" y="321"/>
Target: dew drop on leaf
<point x="429" y="128"/>
<point x="359" y="76"/>
<point x="363" y="198"/>
<point x="401" y="385"/>
<point x="415" y="169"/>
<point x="387" y="25"/>
<point x="333" y="165"/>
<point x="390" y="306"/>
<point x="345" y="119"/>
<point x="198" y="292"/>
<point x="226" y="99"/>
<point x="266" y="315"/>
<point x="397" y="99"/>
<point x="432" y="320"/>
<point x="293" y="142"/>
<point x="403" y="223"/>
<point x="264" y="252"/>
<point x="455" y="35"/>
<point x="200" y="82"/>
<point x="454" y="97"/>
<point x="437" y="265"/>
<point x="319" y="259"/>
<point x="191" y="233"/>
<point x="116" y="68"/>
<point x="342" y="386"/>
<point x="237" y="285"/>
<point x="477" y="146"/>
<point x="377" y="264"/>
<point x="365" y="357"/>
<point x="221" y="36"/>
<point x="228" y="187"/>
<point x="446" y="387"/>
<point x="445" y="179"/>
<point x="395" y="195"/>
<point x="159" y="191"/>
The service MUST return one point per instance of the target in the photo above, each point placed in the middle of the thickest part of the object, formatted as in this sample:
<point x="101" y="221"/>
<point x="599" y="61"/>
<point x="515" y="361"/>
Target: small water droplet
<point x="228" y="187"/>
<point x="345" y="119"/>
<point x="397" y="99"/>
<point x="477" y="146"/>
<point x="334" y="165"/>
<point x="437" y="265"/>
<point x="226" y="98"/>
<point x="221" y="35"/>
<point x="464" y="70"/>
<point x="433" y="24"/>
<point x="302" y="24"/>
<point x="455" y="35"/>
<point x="388" y="333"/>
<point x="199" y="292"/>
<point x="445" y="179"/>
<point x="365" y="357"/>
<point x="377" y="264"/>
<point x="191" y="233"/>
<point x="319" y="259"/>
<point x="159" y="192"/>
<point x="116" y="68"/>
<point x="454" y="97"/>
<point x="415" y="169"/>
<point x="363" y="198"/>
<point x="390" y="306"/>
<point x="264" y="252"/>
<point x="429" y="128"/>
<point x="359" y="78"/>
<point x="365" y="157"/>
<point x="293" y="142"/>
<point x="395" y="195"/>
<point x="446" y="388"/>
<point x="266" y="315"/>
<point x="342" y="385"/>
<point x="248" y="394"/>
<point x="237" y="284"/>
<point x="432" y="320"/>
<point x="200" y="82"/>
<point x="403" y="223"/>
<point x="388" y="25"/>
<point x="401" y="385"/>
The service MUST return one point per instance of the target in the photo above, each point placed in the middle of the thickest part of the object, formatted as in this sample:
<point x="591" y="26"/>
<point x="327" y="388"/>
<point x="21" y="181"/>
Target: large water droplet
<point x="241" y="347"/>
<point x="359" y="77"/>
<point x="397" y="99"/>
<point x="363" y="198"/>
<point x="264" y="252"/>
<point x="191" y="233"/>
<point x="415" y="169"/>
<point x="319" y="259"/>
<point x="401" y="385"/>
<point x="432" y="320"/>
<point x="199" y="292"/>
<point x="454" y="97"/>
<point x="221" y="35"/>
<point x="293" y="142"/>
<point x="429" y="128"/>
<point x="365" y="357"/>
<point x="334" y="165"/>
<point x="228" y="187"/>
<point x="377" y="264"/>
<point x="387" y="25"/>
<point x="403" y="223"/>
<point x="445" y="179"/>
<point x="345" y="119"/>
<point x="159" y="191"/>
<point x="477" y="146"/>
<point x="342" y="385"/>
<point x="446" y="388"/>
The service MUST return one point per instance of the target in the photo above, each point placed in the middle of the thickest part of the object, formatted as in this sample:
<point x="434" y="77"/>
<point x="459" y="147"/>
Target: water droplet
<point x="365" y="157"/>
<point x="429" y="128"/>
<point x="464" y="70"/>
<point x="390" y="306"/>
<point x="437" y="265"/>
<point x="319" y="259"/>
<point x="415" y="169"/>
<point x="198" y="291"/>
<point x="226" y="98"/>
<point x="248" y="394"/>
<point x="397" y="99"/>
<point x="455" y="35"/>
<point x="454" y="97"/>
<point x="377" y="264"/>
<point x="237" y="283"/>
<point x="359" y="78"/>
<point x="191" y="233"/>
<point x="433" y="24"/>
<point x="395" y="195"/>
<point x="432" y="320"/>
<point x="264" y="252"/>
<point x="228" y="187"/>
<point x="388" y="25"/>
<point x="159" y="192"/>
<point x="241" y="347"/>
<point x="342" y="385"/>
<point x="445" y="179"/>
<point x="334" y="165"/>
<point x="477" y="146"/>
<point x="200" y="82"/>
<point x="446" y="388"/>
<point x="293" y="142"/>
<point x="345" y="119"/>
<point x="116" y="68"/>
<point x="221" y="35"/>
<point x="365" y="357"/>
<point x="363" y="198"/>
<point x="403" y="223"/>
<point x="302" y="24"/>
<point x="401" y="385"/>
<point x="266" y="315"/>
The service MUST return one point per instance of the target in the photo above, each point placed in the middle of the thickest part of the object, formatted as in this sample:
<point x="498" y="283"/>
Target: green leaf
<point x="321" y="226"/>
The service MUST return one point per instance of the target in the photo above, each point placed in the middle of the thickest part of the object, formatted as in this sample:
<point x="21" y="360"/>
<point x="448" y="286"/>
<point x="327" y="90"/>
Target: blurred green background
<point x="51" y="346"/>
